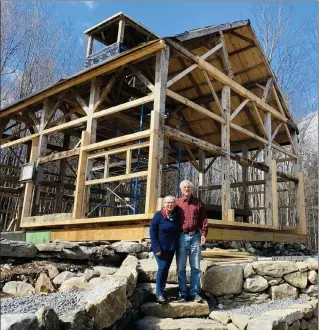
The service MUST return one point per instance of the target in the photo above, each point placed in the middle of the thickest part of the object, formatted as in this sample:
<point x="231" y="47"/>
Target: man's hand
<point x="159" y="253"/>
<point x="202" y="240"/>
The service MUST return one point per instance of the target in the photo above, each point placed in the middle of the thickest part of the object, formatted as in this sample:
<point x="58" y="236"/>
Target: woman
<point x="164" y="233"/>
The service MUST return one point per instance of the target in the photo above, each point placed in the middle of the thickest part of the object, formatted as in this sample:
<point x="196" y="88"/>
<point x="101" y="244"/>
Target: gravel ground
<point x="62" y="302"/>
<point x="258" y="309"/>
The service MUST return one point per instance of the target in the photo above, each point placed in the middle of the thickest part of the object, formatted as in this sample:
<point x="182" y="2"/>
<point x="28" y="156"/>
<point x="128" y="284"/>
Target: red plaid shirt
<point x="192" y="215"/>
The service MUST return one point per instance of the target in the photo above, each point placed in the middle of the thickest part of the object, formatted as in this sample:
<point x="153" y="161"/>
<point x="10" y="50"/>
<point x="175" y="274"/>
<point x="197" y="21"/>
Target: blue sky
<point x="168" y="18"/>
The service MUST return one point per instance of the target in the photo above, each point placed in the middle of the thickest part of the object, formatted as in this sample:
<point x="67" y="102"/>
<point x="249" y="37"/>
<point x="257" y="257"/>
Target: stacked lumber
<point x="221" y="256"/>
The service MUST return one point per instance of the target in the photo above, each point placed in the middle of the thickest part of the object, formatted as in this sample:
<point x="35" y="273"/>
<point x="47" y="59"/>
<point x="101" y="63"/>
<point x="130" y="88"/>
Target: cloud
<point x="90" y="4"/>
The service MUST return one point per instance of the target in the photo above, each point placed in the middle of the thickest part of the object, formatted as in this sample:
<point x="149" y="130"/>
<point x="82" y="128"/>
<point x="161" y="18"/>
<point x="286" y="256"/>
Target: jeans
<point x="164" y="263"/>
<point x="188" y="246"/>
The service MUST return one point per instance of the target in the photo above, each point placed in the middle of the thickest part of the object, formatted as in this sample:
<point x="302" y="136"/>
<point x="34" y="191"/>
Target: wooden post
<point x="153" y="188"/>
<point x="274" y="195"/>
<point x="91" y="126"/>
<point x="201" y="173"/>
<point x="268" y="176"/>
<point x="244" y="203"/>
<point x="29" y="186"/>
<point x="120" y="33"/>
<point x="225" y="144"/>
<point x="89" y="46"/>
<point x="60" y="186"/>
<point x="78" y="206"/>
<point x="301" y="204"/>
<point x="42" y="149"/>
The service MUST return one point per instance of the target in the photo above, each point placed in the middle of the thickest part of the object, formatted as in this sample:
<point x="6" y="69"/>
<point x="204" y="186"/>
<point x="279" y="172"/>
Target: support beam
<point x="89" y="46"/>
<point x="121" y="29"/>
<point x="225" y="144"/>
<point x="29" y="186"/>
<point x="153" y="188"/>
<point x="274" y="195"/>
<point x="80" y="179"/>
<point x="244" y="202"/>
<point x="201" y="174"/>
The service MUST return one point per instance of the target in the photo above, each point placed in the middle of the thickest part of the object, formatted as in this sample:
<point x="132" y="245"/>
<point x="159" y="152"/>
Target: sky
<point x="169" y="18"/>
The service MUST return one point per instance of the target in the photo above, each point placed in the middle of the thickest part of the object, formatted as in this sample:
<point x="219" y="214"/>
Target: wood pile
<point x="223" y="257"/>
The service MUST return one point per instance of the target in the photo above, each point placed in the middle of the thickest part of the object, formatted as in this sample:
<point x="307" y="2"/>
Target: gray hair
<point x="184" y="182"/>
<point x="168" y="197"/>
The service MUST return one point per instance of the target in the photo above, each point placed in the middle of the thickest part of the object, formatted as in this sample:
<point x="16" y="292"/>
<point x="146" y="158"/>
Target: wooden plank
<point x="145" y="81"/>
<point x="267" y="90"/>
<point x="128" y="161"/>
<point x="59" y="155"/>
<point x="238" y="109"/>
<point x="81" y="177"/>
<point x="64" y="126"/>
<point x="244" y="200"/>
<point x="58" y="220"/>
<point x="118" y="140"/>
<point x="137" y="54"/>
<point x="119" y="150"/>
<point x="194" y="106"/>
<point x="21" y="140"/>
<point x="117" y="178"/>
<point x="268" y="176"/>
<point x="124" y="106"/>
<point x="225" y="58"/>
<point x="246" y="132"/>
<point x="113" y="233"/>
<point x="154" y="176"/>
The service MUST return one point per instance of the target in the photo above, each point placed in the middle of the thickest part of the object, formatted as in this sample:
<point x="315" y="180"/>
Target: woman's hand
<point x="158" y="253"/>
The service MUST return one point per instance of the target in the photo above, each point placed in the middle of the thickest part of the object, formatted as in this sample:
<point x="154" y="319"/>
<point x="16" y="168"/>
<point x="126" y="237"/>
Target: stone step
<point x="176" y="309"/>
<point x="155" y="323"/>
<point x="148" y="268"/>
<point x="171" y="290"/>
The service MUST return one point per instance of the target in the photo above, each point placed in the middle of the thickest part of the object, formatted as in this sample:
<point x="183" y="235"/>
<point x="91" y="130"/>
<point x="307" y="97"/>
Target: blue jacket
<point x="164" y="233"/>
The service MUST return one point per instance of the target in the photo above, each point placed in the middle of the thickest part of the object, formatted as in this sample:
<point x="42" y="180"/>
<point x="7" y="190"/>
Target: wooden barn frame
<point x="216" y="79"/>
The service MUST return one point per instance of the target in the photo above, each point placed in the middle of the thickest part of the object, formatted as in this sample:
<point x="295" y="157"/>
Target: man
<point x="194" y="227"/>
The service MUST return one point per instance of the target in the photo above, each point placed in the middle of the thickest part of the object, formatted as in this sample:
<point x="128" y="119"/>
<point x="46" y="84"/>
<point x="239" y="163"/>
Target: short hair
<point x="186" y="182"/>
<point x="168" y="197"/>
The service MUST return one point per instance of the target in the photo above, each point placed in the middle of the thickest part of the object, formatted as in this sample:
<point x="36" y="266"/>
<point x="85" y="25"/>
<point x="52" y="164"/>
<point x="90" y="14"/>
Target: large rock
<point x="75" y="282"/>
<point x="176" y="310"/>
<point x="47" y="318"/>
<point x="90" y="273"/>
<point x="43" y="284"/>
<point x="245" y="298"/>
<point x="265" y="323"/>
<point x="53" y="271"/>
<point x="283" y="291"/>
<point x="27" y="321"/>
<point x="56" y="246"/>
<point x="312" y="324"/>
<point x="311" y="291"/>
<point x="285" y="315"/>
<point x="295" y="325"/>
<point x="129" y="271"/>
<point x="307" y="309"/>
<point x="274" y="268"/>
<point x="314" y="304"/>
<point x="223" y="280"/>
<point x="99" y="252"/>
<point x="18" y="289"/>
<point x="155" y="323"/>
<point x="312" y="264"/>
<point x="255" y="283"/>
<point x="96" y="280"/>
<point x="62" y="277"/>
<point x="313" y="277"/>
<point x="76" y="320"/>
<point x="249" y="270"/>
<point x="297" y="279"/>
<point x="240" y="321"/>
<point x="302" y="266"/>
<point x="231" y="326"/>
<point x="105" y="271"/>
<point x="221" y="317"/>
<point x="106" y="302"/>
<point x="128" y="247"/>
<point x="17" y="249"/>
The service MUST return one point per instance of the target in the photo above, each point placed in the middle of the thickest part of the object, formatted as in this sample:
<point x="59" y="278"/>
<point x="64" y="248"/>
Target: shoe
<point x="197" y="299"/>
<point x="161" y="300"/>
<point x="181" y="299"/>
